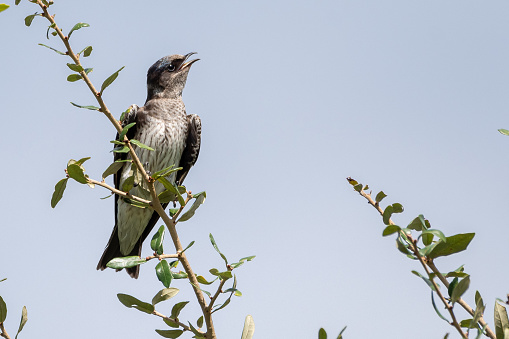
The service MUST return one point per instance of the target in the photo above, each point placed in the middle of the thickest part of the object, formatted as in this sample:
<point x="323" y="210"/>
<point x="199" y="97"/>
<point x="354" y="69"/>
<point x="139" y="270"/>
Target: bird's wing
<point x="192" y="149"/>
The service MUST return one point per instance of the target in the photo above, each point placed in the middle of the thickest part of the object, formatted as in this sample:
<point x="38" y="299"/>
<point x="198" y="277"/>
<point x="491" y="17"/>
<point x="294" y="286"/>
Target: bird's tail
<point x="112" y="251"/>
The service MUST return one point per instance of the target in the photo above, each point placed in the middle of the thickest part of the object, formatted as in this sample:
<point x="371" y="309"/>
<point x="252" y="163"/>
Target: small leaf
<point x="86" y="51"/>
<point x="387" y="214"/>
<point x="88" y="70"/>
<point x="358" y="187"/>
<point x="23" y="321"/>
<point x="3" y="7"/>
<point x="190" y="212"/>
<point x="188" y="246"/>
<point x="170" y="333"/>
<point x="125" y="262"/>
<point x="166" y="171"/>
<point x="199" y="322"/>
<point x="164" y="294"/>
<point x="179" y="275"/>
<point x="128" y="184"/>
<point x="204" y="281"/>
<point x="3" y="310"/>
<point x="460" y="289"/>
<point x="426" y="280"/>
<point x="504" y="131"/>
<point x="110" y="80"/>
<point x="130" y="301"/>
<point x="453" y="244"/>
<point x="380" y="196"/>
<point x="92" y="108"/>
<point x="437" y="233"/>
<point x="195" y="331"/>
<point x="112" y="169"/>
<point x="139" y="144"/>
<point x="29" y="19"/>
<point x="501" y="321"/>
<point x="171" y="323"/>
<point x="452" y="286"/>
<point x="322" y="334"/>
<point x="121" y="149"/>
<point x="74" y="67"/>
<point x="436" y="309"/>
<point x="175" y="311"/>
<point x="397" y="208"/>
<point x="249" y="328"/>
<point x="163" y="273"/>
<point x="390" y="230"/>
<point x="417" y="224"/>
<point x="57" y="51"/>
<point x="74" y="77"/>
<point x="76" y="172"/>
<point x="217" y="249"/>
<point x="78" y="26"/>
<point x="124" y="131"/>
<point x="156" y="244"/>
<point x="59" y="192"/>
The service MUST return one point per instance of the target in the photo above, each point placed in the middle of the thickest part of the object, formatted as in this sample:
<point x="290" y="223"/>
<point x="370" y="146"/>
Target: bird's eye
<point x="171" y="68"/>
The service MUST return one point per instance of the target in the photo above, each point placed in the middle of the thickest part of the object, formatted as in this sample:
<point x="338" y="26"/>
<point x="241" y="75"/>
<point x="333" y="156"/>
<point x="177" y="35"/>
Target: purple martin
<point x="175" y="137"/>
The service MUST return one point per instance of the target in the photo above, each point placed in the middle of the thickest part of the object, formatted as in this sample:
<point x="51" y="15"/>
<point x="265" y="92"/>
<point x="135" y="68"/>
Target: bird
<point x="162" y="124"/>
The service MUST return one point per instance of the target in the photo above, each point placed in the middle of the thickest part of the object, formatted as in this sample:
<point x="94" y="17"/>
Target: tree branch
<point x="3" y="333"/>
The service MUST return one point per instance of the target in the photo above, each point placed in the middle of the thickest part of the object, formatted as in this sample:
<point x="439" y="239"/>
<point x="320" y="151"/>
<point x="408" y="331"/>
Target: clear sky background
<point x="294" y="96"/>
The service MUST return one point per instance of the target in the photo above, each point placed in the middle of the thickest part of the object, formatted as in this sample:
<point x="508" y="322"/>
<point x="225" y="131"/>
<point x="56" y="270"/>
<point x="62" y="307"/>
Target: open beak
<point x="188" y="63"/>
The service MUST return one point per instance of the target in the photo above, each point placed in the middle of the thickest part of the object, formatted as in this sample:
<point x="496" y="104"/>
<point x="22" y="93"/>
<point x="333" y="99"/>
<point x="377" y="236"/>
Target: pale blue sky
<point x="294" y="96"/>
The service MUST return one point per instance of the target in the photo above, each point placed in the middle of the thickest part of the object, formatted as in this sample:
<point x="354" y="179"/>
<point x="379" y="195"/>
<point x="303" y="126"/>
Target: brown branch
<point x="155" y="204"/>
<point x="429" y="263"/>
<point x="184" y="326"/>
<point x="214" y="297"/>
<point x="162" y="256"/>
<point x="118" y="192"/>
<point x="3" y="333"/>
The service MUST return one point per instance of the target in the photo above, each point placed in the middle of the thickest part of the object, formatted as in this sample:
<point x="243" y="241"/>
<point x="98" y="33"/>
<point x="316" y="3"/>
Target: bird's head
<point x="167" y="77"/>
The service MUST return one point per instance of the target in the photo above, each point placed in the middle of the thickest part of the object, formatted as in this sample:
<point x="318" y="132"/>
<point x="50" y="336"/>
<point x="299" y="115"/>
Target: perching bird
<point x="175" y="137"/>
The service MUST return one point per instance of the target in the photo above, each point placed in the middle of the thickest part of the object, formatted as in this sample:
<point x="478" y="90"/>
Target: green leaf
<point x="453" y="244"/>
<point x="417" y="224"/>
<point x="195" y="331"/>
<point x="4" y="279"/>
<point x="175" y="311"/>
<point x="460" y="289"/>
<point x="74" y="77"/>
<point x="88" y="70"/>
<point x="57" y="51"/>
<point x="130" y="301"/>
<point x="358" y="187"/>
<point x="436" y="309"/>
<point x="190" y="212"/>
<point x="426" y="280"/>
<point x="121" y="149"/>
<point x="380" y="196"/>
<point x="124" y="131"/>
<point x="3" y="310"/>
<point x="322" y="334"/>
<point x="437" y="233"/>
<point x="242" y="260"/>
<point x="204" y="281"/>
<point x="390" y="230"/>
<point x="81" y="161"/>
<point x="479" y="309"/>
<point x="139" y="144"/>
<point x="217" y="248"/>
<point x="397" y="208"/>
<point x="23" y="321"/>
<point x="16" y="2"/>
<point x="3" y="7"/>
<point x="76" y="172"/>
<point x="170" y="333"/>
<point x="504" y="132"/>
<point x="125" y="262"/>
<point x="86" y="51"/>
<point x="59" y="192"/>
<point x="222" y="275"/>
<point x="78" y="26"/>
<point x="163" y="273"/>
<point x="501" y="321"/>
<point x="74" y="67"/>
<point x="402" y="247"/>
<point x="166" y="196"/>
<point x="166" y="171"/>
<point x="170" y="323"/>
<point x="29" y="19"/>
<point x="179" y="275"/>
<point x="199" y="322"/>
<point x="92" y="108"/>
<point x="164" y="294"/>
<point x="112" y="169"/>
<point x="427" y="239"/>
<point x="188" y="246"/>
<point x="128" y="184"/>
<point x="340" y="336"/>
<point x="387" y="214"/>
<point x="110" y="80"/>
<point x="156" y="244"/>
<point x="249" y="328"/>
<point x="452" y="286"/>
<point x="467" y="323"/>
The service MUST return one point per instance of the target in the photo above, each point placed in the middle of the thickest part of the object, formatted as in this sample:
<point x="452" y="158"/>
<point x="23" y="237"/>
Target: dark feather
<point x="192" y="149"/>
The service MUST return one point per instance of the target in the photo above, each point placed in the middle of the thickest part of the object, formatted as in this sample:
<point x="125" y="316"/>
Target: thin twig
<point x="3" y="333"/>
<point x="184" y="326"/>
<point x="429" y="263"/>
<point x="162" y="256"/>
<point x="214" y="297"/>
<point x="119" y="192"/>
<point x="156" y="204"/>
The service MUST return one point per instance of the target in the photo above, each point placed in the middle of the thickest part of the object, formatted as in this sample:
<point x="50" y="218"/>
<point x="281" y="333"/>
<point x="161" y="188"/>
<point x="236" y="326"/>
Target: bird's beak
<point x="189" y="63"/>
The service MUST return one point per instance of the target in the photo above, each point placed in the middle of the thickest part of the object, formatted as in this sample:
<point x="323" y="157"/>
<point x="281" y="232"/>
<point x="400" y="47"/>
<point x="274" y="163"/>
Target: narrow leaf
<point x="163" y="273"/>
<point x="501" y="321"/>
<point x="217" y="248"/>
<point x="59" y="192"/>
<point x="78" y="26"/>
<point x="188" y="246"/>
<point x="190" y="212"/>
<point x="437" y="233"/>
<point x="156" y="244"/>
<point x="139" y="144"/>
<point x="460" y="289"/>
<point x="454" y="244"/>
<point x="125" y="262"/>
<point x="92" y="108"/>
<point x="3" y="310"/>
<point x="57" y="51"/>
<point x="23" y="321"/>
<point x="504" y="131"/>
<point x="169" y="333"/>
<point x="164" y="294"/>
<point x="110" y="80"/>
<point x="112" y="169"/>
<point x="124" y="131"/>
<point x="175" y="311"/>
<point x="130" y="301"/>
<point x="86" y="51"/>
<point x="3" y="7"/>
<point x="74" y="67"/>
<point x="436" y="309"/>
<point x="204" y="281"/>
